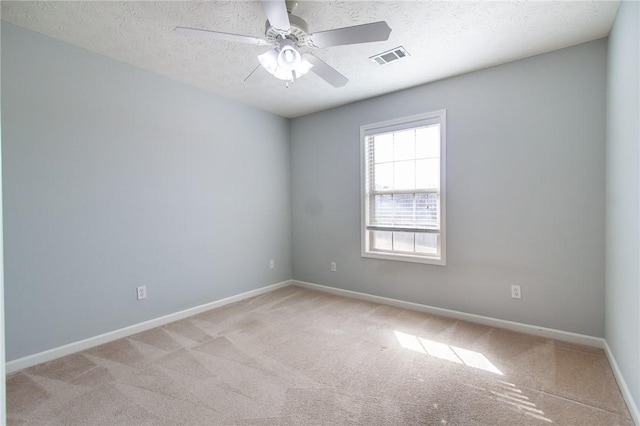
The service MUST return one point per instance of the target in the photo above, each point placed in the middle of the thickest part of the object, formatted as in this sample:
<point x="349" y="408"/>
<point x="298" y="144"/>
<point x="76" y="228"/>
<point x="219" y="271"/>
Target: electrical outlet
<point x="515" y="292"/>
<point x="141" y="292"/>
<point x="333" y="266"/>
<point x="272" y="264"/>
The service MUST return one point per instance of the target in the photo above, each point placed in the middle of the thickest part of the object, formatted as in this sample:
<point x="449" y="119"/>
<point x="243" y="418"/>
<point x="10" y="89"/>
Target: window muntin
<point x="403" y="189"/>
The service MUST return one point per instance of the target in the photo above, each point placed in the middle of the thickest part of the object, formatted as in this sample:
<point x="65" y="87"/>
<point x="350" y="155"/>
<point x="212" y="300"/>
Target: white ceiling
<point x="443" y="38"/>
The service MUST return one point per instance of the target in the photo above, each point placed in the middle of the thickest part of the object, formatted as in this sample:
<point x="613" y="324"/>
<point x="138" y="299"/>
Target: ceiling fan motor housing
<point x="298" y="33"/>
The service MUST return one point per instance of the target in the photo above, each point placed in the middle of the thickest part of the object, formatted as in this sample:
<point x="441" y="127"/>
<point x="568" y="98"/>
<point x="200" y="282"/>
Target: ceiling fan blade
<point x="276" y="11"/>
<point x="375" y="31"/>
<point x="194" y="32"/>
<point x="325" y="71"/>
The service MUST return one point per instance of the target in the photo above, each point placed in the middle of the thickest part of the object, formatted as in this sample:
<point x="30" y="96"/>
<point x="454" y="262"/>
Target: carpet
<point x="295" y="356"/>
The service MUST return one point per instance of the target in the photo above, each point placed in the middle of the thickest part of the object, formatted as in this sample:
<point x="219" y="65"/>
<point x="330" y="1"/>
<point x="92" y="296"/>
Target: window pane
<point x="428" y="142"/>
<point x="383" y="210"/>
<point x="381" y="240"/>
<point x="427" y="209"/>
<point x="426" y="243"/>
<point x="383" y="148"/>
<point x="384" y="176"/>
<point x="403" y="209"/>
<point x="428" y="174"/>
<point x="403" y="241"/>
<point x="404" y="176"/>
<point x="404" y="145"/>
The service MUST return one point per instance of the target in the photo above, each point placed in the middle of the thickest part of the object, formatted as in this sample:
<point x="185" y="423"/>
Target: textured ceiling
<point x="443" y="39"/>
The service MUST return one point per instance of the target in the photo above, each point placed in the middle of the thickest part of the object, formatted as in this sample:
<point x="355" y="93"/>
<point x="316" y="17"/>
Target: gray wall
<point x="525" y="193"/>
<point x="623" y="195"/>
<point x="114" y="178"/>
<point x="3" y="402"/>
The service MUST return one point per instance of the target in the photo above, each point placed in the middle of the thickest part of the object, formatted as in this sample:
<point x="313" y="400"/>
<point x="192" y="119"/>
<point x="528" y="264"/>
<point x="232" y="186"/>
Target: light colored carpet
<point x="295" y="356"/>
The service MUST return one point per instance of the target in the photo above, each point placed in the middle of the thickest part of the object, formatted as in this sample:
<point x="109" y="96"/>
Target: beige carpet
<point x="295" y="356"/>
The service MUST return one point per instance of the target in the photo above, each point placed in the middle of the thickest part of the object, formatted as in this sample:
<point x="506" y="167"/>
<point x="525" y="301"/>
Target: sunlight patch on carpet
<point x="447" y="352"/>
<point x="511" y="395"/>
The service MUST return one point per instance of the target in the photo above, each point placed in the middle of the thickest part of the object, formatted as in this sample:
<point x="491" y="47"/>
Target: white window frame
<point x="392" y="126"/>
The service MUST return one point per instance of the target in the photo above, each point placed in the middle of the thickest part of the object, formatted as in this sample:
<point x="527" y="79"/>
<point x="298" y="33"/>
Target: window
<point x="403" y="189"/>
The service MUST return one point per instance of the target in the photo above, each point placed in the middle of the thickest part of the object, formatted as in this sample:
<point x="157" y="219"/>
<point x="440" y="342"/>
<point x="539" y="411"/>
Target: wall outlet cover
<point x="515" y="292"/>
<point x="141" y="292"/>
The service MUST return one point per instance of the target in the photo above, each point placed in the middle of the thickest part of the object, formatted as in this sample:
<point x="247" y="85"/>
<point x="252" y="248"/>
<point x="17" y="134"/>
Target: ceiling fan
<point x="288" y="33"/>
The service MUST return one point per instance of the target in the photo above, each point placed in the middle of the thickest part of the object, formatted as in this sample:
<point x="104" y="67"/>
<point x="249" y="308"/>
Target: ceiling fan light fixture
<point x="284" y="62"/>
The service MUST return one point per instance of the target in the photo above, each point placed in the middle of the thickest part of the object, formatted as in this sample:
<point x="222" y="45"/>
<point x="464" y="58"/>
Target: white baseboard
<point x="51" y="354"/>
<point x="622" y="384"/>
<point x="550" y="333"/>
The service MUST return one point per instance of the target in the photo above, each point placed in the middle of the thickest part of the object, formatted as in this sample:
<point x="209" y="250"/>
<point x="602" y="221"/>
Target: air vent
<point x="392" y="55"/>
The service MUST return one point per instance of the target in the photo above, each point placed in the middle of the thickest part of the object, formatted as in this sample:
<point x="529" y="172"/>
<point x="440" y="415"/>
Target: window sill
<point x="406" y="258"/>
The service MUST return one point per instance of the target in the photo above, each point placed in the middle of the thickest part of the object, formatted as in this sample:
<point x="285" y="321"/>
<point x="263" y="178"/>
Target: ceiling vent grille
<point x="392" y="55"/>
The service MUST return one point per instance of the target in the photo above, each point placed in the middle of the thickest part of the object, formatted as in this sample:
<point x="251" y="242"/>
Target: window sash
<point x="412" y="217"/>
